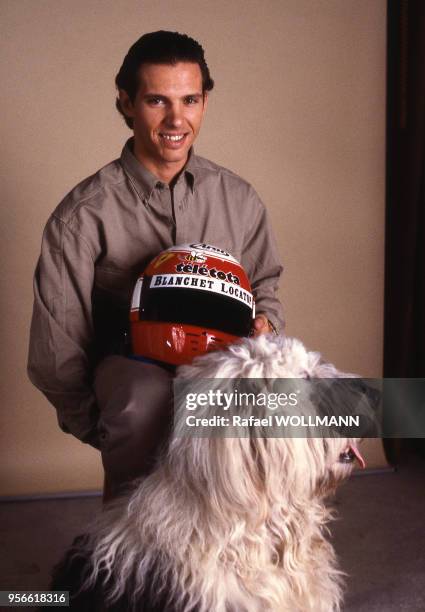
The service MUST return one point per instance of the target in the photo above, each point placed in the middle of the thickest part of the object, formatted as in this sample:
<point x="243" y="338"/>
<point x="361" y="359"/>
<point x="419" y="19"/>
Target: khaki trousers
<point x="136" y="411"/>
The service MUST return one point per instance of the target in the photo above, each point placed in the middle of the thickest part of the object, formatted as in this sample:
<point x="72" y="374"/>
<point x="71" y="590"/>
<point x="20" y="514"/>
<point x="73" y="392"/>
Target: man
<point x="105" y="231"/>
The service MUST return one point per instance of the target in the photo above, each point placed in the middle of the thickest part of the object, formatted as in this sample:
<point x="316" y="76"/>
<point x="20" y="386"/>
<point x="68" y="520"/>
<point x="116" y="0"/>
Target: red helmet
<point x="191" y="299"/>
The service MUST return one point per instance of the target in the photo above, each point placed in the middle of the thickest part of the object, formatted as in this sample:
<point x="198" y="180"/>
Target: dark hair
<point x="160" y="47"/>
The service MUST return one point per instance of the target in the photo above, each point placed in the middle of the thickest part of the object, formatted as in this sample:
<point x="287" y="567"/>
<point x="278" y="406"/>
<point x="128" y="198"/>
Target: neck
<point x="165" y="171"/>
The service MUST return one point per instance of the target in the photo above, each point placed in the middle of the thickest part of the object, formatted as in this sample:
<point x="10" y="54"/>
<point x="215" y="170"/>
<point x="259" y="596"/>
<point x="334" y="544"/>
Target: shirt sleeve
<point x="60" y="360"/>
<point x="261" y="260"/>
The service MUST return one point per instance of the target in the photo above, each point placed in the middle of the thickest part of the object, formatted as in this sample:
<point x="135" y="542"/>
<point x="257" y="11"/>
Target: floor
<point x="379" y="537"/>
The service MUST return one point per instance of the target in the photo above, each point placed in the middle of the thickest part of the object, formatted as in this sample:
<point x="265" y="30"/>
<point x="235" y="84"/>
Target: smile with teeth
<point x="173" y="137"/>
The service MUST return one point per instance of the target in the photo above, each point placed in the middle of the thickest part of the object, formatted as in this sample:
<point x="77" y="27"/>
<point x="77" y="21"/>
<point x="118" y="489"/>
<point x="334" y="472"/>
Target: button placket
<point x="142" y="196"/>
<point x="181" y="218"/>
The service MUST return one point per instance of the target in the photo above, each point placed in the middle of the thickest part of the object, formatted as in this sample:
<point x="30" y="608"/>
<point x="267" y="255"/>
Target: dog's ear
<point x="262" y="473"/>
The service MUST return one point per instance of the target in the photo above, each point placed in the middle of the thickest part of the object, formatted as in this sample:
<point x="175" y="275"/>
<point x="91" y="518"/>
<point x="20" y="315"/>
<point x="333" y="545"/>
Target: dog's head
<point x="308" y="465"/>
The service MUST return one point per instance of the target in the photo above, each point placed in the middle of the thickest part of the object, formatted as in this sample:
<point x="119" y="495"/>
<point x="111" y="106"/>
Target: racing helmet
<point x="190" y="299"/>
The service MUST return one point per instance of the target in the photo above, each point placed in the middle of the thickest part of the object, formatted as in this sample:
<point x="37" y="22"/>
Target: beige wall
<point x="298" y="110"/>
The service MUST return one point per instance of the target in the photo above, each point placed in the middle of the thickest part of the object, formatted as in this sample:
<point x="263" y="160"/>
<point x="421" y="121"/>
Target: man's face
<point x="167" y="113"/>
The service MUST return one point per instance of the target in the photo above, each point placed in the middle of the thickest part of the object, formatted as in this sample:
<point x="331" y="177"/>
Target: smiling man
<point x="106" y="230"/>
<point x="166" y="116"/>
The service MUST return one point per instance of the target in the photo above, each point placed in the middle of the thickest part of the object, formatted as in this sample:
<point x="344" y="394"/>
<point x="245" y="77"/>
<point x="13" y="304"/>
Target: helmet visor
<point x="193" y="307"/>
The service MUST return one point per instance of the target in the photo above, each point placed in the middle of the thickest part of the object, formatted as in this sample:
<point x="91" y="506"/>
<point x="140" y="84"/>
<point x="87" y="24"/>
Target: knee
<point x="121" y="382"/>
<point x="134" y="399"/>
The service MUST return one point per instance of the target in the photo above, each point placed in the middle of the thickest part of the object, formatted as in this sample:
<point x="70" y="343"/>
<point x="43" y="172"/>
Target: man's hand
<point x="260" y="326"/>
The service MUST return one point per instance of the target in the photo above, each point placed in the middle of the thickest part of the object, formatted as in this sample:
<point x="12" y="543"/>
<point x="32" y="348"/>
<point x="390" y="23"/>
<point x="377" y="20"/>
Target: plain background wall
<point x="298" y="110"/>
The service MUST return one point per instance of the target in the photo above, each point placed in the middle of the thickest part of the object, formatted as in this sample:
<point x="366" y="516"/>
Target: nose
<point x="174" y="116"/>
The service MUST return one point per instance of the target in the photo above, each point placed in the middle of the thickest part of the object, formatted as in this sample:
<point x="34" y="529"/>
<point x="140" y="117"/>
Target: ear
<point x="205" y="101"/>
<point x="126" y="104"/>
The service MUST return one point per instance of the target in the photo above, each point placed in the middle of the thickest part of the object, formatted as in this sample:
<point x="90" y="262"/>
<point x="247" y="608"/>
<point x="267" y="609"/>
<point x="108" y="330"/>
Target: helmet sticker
<point x="212" y="249"/>
<point x="194" y="256"/>
<point x="207" y="271"/>
<point x="196" y="281"/>
<point x="202" y="249"/>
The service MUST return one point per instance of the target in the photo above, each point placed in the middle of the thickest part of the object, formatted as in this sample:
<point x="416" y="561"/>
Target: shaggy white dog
<point x="231" y="524"/>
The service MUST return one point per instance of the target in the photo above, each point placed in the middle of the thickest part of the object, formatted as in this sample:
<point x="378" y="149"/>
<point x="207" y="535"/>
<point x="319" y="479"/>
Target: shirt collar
<point x="145" y="180"/>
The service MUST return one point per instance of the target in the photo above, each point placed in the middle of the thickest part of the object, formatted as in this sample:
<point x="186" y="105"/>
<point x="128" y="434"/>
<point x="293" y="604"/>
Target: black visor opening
<point x="195" y="307"/>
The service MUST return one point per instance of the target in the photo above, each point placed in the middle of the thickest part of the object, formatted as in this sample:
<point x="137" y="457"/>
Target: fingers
<point x="260" y="325"/>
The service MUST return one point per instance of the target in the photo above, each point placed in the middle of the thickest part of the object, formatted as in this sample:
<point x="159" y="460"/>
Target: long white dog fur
<point x="231" y="524"/>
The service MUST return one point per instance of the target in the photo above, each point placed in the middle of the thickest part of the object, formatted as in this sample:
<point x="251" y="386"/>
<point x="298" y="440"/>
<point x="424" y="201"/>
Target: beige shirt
<point x="101" y="237"/>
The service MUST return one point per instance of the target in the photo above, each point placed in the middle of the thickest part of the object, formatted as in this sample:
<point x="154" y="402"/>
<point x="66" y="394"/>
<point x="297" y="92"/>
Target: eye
<point x="347" y="456"/>
<point x="189" y="100"/>
<point x="155" y="101"/>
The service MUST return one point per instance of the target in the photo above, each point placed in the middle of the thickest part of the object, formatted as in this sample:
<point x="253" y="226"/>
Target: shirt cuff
<point x="274" y="329"/>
